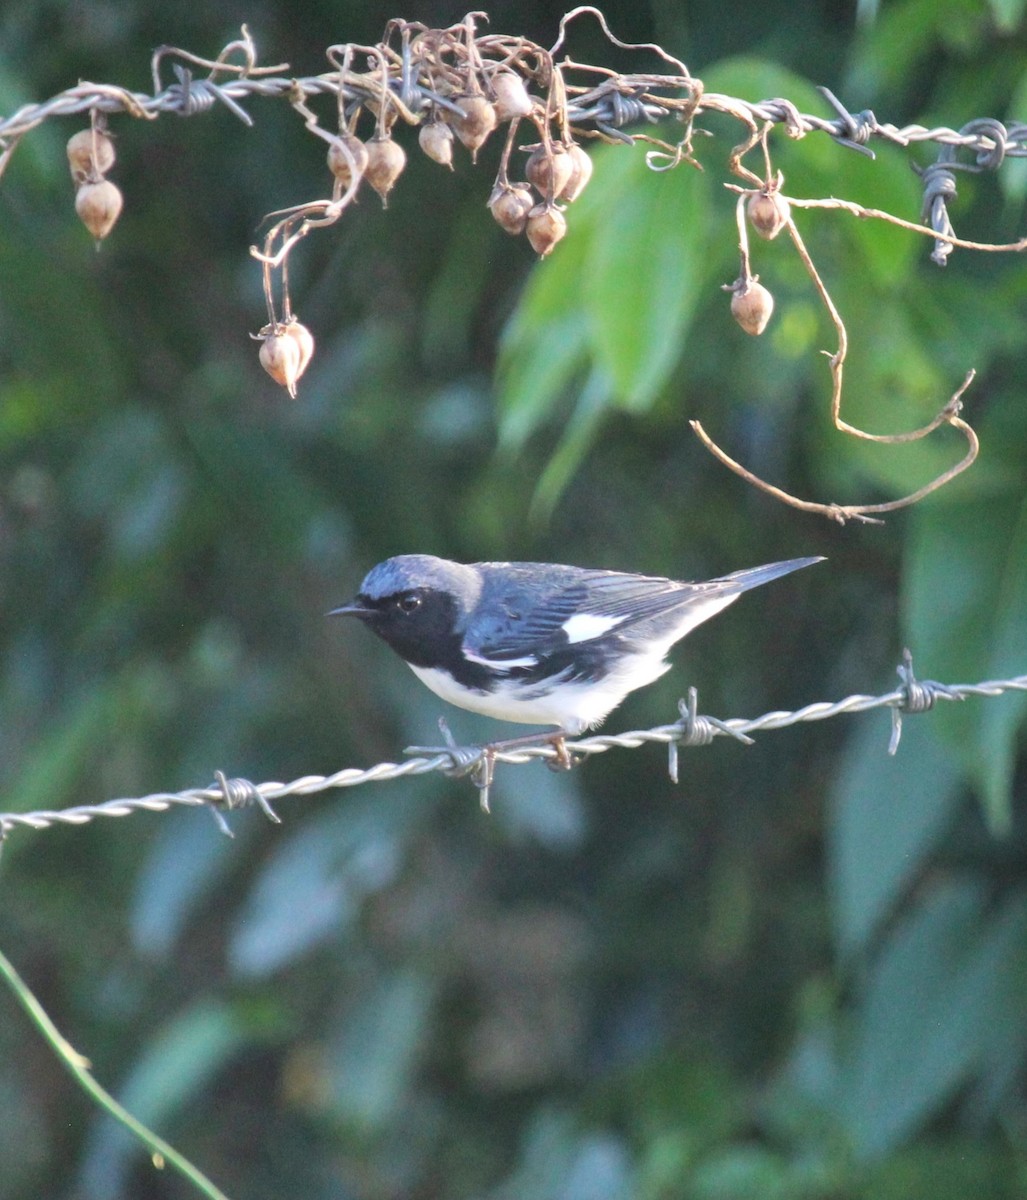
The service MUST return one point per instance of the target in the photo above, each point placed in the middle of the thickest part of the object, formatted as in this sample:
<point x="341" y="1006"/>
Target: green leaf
<point x="185" y="863"/>
<point x="950" y="974"/>
<point x="643" y="272"/>
<point x="49" y="771"/>
<point x="535" y="372"/>
<point x="312" y="886"/>
<point x="753" y="78"/>
<point x="616" y="295"/>
<point x="964" y="600"/>
<point x="573" y="444"/>
<point x="558" y="1162"/>
<point x="1007" y="13"/>
<point x="815" y="167"/>
<point x="370" y="1065"/>
<point x="886" y="814"/>
<point x="953" y="1168"/>
<point x="544" y="343"/>
<point x="742" y="1172"/>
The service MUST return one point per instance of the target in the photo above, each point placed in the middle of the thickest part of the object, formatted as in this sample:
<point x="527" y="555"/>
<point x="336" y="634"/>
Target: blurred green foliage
<point x="801" y="974"/>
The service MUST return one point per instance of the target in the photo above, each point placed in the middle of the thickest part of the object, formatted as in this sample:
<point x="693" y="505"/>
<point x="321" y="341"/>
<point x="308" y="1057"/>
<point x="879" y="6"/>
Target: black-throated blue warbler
<point x="538" y="643"/>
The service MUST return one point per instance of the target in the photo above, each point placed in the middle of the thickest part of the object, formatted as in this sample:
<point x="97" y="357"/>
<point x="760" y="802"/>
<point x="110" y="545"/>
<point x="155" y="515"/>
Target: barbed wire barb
<point x="477" y="762"/>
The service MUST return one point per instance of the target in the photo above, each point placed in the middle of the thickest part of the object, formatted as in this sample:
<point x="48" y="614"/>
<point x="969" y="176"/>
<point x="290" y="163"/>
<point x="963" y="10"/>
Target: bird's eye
<point x="408" y="602"/>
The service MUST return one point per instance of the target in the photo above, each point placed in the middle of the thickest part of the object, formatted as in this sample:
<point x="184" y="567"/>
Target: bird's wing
<point x="529" y="611"/>
<point x="520" y="626"/>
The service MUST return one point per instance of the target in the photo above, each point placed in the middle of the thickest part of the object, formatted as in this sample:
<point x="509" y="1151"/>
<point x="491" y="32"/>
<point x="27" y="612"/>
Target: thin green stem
<point x="78" y="1065"/>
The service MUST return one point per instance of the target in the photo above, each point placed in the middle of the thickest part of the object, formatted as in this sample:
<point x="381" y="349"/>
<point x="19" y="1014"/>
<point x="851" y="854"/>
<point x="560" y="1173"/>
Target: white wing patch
<point x="583" y="626"/>
<point x="501" y="664"/>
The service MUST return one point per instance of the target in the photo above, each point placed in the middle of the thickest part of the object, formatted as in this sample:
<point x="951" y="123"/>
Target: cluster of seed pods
<point x="556" y="170"/>
<point x="752" y="305"/>
<point x="97" y="201"/>
<point x="467" y="96"/>
<point x="469" y="100"/>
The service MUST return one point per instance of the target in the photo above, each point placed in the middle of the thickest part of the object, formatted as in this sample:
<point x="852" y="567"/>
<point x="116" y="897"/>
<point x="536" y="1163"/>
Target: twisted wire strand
<point x="477" y="762"/>
<point x="617" y="101"/>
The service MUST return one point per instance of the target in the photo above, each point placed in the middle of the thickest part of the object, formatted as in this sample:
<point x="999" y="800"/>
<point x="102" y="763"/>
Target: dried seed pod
<point x="510" y="206"/>
<point x="385" y="162"/>
<point x="347" y="155"/>
<point x="304" y="339"/>
<point x="512" y="99"/>
<point x="545" y="226"/>
<point x="98" y="206"/>
<point x="280" y="357"/>
<point x="769" y="212"/>
<point x="436" y="139"/>
<point x="81" y="159"/>
<point x="548" y="170"/>
<point x="751" y="305"/>
<point x="581" y="173"/>
<point x="477" y="122"/>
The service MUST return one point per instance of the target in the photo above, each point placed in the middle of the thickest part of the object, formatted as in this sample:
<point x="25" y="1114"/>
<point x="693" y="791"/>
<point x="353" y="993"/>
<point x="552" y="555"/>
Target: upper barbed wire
<point x="477" y="762"/>
<point x="618" y="99"/>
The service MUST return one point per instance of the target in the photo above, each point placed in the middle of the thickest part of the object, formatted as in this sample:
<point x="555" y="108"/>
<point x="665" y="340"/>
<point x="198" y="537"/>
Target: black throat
<point x="431" y="636"/>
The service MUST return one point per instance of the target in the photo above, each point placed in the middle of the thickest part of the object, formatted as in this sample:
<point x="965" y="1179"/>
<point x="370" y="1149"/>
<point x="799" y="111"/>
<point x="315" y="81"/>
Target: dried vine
<point x="459" y="85"/>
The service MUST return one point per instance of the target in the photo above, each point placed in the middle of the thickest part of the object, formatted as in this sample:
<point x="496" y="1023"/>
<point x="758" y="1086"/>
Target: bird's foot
<point x="483" y="774"/>
<point x="562" y="760"/>
<point x="479" y="762"/>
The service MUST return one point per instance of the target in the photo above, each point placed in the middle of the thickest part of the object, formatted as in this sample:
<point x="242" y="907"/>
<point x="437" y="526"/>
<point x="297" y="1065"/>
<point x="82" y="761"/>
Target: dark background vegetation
<point x="802" y="972"/>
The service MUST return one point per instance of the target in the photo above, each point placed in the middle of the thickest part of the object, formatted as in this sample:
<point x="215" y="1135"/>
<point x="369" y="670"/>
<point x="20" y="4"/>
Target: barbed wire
<point x="616" y="101"/>
<point x="478" y="763"/>
<point x="610" y="106"/>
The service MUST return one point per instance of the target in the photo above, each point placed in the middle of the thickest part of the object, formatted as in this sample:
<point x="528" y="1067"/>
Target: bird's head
<point x="416" y="603"/>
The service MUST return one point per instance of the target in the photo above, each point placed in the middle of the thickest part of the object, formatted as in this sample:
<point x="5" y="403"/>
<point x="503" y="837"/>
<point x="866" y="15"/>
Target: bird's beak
<point x="353" y="609"/>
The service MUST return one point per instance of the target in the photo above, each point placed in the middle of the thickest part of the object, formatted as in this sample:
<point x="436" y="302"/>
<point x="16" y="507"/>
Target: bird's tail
<point x="742" y="581"/>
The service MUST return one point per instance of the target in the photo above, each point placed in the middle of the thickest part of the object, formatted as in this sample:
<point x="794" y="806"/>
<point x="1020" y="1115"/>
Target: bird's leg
<point x="482" y="776"/>
<point x="563" y="760"/>
<point x="485" y="770"/>
<point x="480" y="761"/>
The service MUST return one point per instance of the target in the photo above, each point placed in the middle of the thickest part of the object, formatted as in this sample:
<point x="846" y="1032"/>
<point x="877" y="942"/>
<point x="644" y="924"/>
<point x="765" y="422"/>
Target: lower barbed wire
<point x="477" y="762"/>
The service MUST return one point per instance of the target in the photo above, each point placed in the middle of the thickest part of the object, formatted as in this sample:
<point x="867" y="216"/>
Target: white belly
<point x="572" y="707"/>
